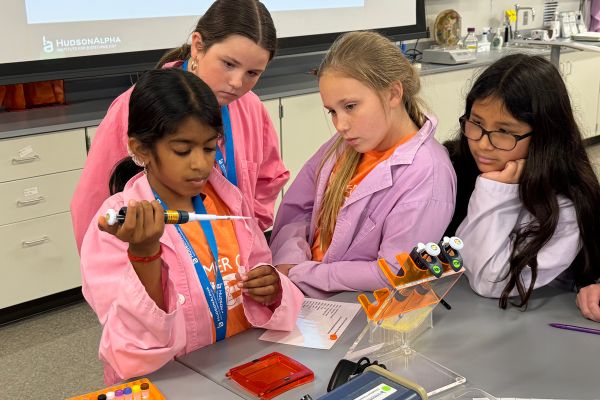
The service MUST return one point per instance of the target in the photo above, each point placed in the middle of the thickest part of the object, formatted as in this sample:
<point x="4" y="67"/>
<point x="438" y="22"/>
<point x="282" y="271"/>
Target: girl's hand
<point x="285" y="268"/>
<point x="510" y="174"/>
<point x="261" y="284"/>
<point x="588" y="301"/>
<point x="143" y="227"/>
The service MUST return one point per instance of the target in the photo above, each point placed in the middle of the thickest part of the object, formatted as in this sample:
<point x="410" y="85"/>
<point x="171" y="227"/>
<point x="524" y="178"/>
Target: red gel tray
<point x="271" y="375"/>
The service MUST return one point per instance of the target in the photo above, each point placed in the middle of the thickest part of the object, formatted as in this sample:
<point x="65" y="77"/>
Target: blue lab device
<point x="376" y="383"/>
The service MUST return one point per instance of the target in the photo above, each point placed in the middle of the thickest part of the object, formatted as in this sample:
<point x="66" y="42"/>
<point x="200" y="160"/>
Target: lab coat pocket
<point x="365" y="227"/>
<point x="249" y="171"/>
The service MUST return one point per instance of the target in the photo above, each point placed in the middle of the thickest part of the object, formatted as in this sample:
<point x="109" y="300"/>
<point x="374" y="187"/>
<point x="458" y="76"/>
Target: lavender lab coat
<point x="595" y="16"/>
<point x="406" y="199"/>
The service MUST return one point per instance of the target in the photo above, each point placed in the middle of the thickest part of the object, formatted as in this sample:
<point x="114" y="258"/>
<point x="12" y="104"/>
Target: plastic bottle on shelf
<point x="484" y="44"/>
<point x="470" y="41"/>
<point x="498" y="39"/>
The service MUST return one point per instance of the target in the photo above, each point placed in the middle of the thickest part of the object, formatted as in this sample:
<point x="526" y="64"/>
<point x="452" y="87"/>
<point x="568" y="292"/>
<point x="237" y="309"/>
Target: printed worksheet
<point x="320" y="324"/>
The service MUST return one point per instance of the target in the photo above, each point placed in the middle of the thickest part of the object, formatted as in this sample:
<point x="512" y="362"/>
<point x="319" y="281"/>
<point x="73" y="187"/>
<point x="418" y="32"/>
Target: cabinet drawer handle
<point x="32" y="243"/>
<point x="16" y="161"/>
<point x="31" y="202"/>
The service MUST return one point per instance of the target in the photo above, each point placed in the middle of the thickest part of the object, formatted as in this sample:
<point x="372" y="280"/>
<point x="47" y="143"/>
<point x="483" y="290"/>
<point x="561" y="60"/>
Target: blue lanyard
<point x="217" y="297"/>
<point x="227" y="166"/>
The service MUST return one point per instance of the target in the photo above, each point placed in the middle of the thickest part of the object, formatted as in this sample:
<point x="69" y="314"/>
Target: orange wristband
<point x="144" y="260"/>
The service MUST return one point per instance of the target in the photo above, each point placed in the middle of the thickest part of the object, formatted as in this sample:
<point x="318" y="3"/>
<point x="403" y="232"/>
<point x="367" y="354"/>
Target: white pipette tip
<point x="212" y="216"/>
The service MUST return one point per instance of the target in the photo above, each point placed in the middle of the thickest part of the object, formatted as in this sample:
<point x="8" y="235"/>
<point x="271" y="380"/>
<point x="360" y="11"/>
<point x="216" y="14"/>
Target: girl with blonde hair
<point x="375" y="189"/>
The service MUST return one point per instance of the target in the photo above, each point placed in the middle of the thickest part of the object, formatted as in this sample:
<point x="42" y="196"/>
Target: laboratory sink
<point x="527" y="47"/>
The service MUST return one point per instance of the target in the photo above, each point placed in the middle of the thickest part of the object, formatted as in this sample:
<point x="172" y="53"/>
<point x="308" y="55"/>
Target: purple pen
<point x="575" y="328"/>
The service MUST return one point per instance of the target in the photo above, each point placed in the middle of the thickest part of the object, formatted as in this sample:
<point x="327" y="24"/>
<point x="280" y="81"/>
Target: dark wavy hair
<point x="161" y="100"/>
<point x="248" y="18"/>
<point x="533" y="91"/>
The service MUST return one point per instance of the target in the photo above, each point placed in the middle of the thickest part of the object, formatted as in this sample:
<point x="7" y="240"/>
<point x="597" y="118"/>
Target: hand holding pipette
<point x="171" y="216"/>
<point x="142" y="229"/>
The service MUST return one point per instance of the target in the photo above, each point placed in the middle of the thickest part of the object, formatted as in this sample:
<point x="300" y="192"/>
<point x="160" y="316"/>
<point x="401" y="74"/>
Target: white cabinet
<point x="305" y="126"/>
<point x="580" y="71"/>
<point x="37" y="196"/>
<point x="444" y="95"/>
<point x="37" y="181"/>
<point x="273" y="107"/>
<point x="40" y="258"/>
<point x="28" y="156"/>
<point x="598" y="114"/>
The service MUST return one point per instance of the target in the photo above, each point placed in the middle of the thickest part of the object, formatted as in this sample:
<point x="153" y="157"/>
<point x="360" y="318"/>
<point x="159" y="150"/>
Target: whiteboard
<point x="34" y="30"/>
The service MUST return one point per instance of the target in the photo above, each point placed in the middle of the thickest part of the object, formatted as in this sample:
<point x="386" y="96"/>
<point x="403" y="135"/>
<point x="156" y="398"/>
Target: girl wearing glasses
<point x="527" y="194"/>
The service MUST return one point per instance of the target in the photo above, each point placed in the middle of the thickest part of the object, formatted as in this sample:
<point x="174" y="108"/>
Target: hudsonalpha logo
<point x="80" y="44"/>
<point x="48" y="46"/>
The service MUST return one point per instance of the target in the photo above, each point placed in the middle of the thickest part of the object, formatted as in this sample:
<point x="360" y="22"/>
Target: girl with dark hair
<point x="164" y="290"/>
<point x="379" y="186"/>
<point x="230" y="48"/>
<point x="527" y="194"/>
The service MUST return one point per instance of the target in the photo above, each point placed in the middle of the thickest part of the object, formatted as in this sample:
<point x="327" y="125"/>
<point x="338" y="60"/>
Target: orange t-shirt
<point x="368" y="162"/>
<point x="229" y="259"/>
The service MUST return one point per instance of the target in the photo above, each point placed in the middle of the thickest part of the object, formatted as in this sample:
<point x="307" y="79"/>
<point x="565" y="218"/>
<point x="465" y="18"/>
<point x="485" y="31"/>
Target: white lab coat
<point x="494" y="214"/>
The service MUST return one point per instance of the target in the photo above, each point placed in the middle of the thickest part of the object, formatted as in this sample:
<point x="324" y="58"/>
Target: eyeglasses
<point x="500" y="140"/>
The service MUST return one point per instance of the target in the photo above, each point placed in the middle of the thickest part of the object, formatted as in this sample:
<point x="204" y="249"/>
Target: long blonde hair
<point x="375" y="61"/>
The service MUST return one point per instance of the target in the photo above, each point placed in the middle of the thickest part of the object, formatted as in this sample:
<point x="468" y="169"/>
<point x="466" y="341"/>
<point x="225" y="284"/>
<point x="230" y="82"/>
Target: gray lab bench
<point x="177" y="382"/>
<point x="214" y="361"/>
<point x="506" y="353"/>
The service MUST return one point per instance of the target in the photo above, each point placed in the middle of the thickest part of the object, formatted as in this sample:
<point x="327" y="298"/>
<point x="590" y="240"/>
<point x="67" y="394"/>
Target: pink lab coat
<point x="137" y="336"/>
